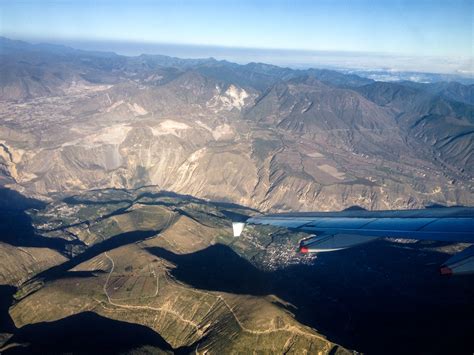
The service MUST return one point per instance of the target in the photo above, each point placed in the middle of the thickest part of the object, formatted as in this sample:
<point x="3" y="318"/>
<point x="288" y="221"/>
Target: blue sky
<point x="408" y="28"/>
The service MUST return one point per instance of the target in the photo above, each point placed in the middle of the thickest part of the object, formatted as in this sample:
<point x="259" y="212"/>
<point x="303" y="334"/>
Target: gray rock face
<point x="257" y="135"/>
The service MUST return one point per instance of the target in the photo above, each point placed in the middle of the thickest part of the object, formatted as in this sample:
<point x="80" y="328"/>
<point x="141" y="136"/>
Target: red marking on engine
<point x="304" y="250"/>
<point x="445" y="271"/>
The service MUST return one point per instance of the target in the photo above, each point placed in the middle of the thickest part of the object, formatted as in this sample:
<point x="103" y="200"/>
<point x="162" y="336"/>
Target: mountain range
<point x="263" y="136"/>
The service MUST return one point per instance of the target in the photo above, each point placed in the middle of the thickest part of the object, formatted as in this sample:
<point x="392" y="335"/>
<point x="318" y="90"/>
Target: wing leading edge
<point x="339" y="230"/>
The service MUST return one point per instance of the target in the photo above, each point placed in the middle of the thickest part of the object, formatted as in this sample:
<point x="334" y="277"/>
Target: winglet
<point x="238" y="227"/>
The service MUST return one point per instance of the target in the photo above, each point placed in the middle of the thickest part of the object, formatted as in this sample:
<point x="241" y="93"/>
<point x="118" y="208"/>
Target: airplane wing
<point x="340" y="230"/>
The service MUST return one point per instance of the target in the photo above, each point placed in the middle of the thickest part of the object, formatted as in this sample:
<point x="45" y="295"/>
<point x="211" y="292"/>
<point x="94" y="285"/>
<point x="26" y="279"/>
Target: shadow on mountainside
<point x="6" y="299"/>
<point x="15" y="225"/>
<point x="85" y="333"/>
<point x="216" y="268"/>
<point x="382" y="297"/>
<point x="81" y="199"/>
<point x="175" y="202"/>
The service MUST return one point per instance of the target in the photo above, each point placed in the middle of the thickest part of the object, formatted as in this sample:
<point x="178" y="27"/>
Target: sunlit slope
<point x="20" y="263"/>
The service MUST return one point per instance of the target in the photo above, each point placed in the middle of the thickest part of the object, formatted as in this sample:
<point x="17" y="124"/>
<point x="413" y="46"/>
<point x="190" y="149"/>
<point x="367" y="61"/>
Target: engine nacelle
<point x="460" y="263"/>
<point x="327" y="243"/>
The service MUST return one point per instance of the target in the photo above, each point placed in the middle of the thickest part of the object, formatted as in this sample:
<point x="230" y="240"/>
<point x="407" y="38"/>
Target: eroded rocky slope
<point x="258" y="135"/>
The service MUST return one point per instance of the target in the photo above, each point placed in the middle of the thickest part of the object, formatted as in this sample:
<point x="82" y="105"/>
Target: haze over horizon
<point x="425" y="36"/>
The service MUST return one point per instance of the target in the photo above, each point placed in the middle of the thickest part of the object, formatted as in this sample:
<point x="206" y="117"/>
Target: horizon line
<point x="73" y="42"/>
<point x="46" y="40"/>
